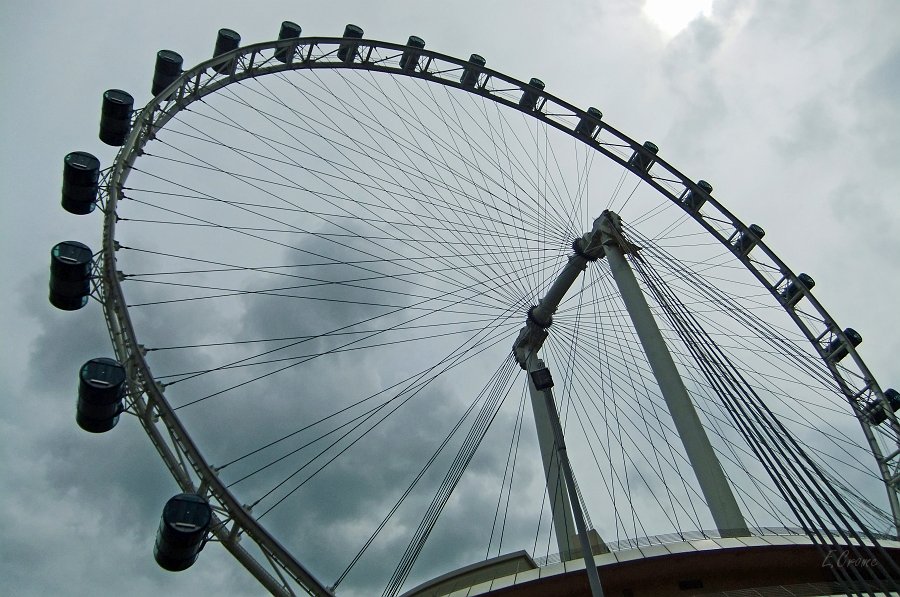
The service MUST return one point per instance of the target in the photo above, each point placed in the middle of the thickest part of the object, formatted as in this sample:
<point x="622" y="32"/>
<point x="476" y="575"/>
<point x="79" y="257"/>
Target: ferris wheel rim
<point x="154" y="116"/>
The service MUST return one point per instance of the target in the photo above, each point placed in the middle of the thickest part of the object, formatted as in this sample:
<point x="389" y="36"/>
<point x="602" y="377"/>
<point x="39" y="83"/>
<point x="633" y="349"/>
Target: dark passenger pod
<point x="185" y="521"/>
<point x="101" y="389"/>
<point x="70" y="275"/>
<point x="81" y="175"/>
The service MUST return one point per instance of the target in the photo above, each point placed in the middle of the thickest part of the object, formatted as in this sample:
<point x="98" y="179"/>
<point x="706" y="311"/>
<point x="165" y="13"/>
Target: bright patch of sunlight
<point x="671" y="16"/>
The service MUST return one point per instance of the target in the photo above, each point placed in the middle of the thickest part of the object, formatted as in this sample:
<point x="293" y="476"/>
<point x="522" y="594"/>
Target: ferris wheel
<point x="336" y="272"/>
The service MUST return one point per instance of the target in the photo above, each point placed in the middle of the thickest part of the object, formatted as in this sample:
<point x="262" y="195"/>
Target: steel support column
<point x="545" y="396"/>
<point x="561" y="506"/>
<point x="713" y="483"/>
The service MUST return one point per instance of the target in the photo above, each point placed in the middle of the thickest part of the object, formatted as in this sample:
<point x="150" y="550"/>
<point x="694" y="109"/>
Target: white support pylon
<point x="713" y="483"/>
<point x="530" y="339"/>
<point x="605" y="240"/>
<point x="544" y="393"/>
<point x="560" y="505"/>
<point x="568" y="519"/>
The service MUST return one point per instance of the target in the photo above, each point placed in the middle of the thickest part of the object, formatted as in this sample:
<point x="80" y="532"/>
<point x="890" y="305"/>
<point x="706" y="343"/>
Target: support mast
<point x="568" y="519"/>
<point x="713" y="483"/>
<point x="605" y="240"/>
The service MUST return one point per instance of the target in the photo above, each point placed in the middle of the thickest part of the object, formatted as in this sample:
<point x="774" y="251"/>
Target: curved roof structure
<point x="783" y="564"/>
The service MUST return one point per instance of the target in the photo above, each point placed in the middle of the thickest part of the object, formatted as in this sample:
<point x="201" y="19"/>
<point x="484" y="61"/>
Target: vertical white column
<point x="562" y="458"/>
<point x="561" y="507"/>
<point x="713" y="483"/>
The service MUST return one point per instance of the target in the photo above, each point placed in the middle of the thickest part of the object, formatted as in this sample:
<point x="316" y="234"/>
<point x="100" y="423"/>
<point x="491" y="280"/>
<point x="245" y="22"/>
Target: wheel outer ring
<point x="147" y="399"/>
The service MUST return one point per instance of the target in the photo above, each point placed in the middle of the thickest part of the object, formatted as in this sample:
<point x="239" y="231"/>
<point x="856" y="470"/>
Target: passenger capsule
<point x="693" y="201"/>
<point x="185" y="521"/>
<point x="289" y="30"/>
<point x="347" y="50"/>
<point x="837" y="349"/>
<point x="115" y="117"/>
<point x="70" y="275"/>
<point x="875" y="409"/>
<point x="531" y="93"/>
<point x="542" y="379"/>
<point x="227" y="40"/>
<point x="793" y="292"/>
<point x="410" y="57"/>
<point x="643" y="159"/>
<point x="81" y="173"/>
<point x="470" y="73"/>
<point x="589" y="123"/>
<point x="167" y="70"/>
<point x="101" y="389"/>
<point x="748" y="239"/>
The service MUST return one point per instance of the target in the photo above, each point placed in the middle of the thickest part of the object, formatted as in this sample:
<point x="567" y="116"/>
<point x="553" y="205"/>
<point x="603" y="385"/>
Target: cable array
<point x="825" y="515"/>
<point x="318" y="261"/>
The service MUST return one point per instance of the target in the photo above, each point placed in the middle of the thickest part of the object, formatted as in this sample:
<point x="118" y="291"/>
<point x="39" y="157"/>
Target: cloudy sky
<point x="789" y="108"/>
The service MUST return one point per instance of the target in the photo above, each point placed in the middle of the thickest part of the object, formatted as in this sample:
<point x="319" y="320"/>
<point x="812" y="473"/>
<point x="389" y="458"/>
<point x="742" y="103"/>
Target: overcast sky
<point x="788" y="107"/>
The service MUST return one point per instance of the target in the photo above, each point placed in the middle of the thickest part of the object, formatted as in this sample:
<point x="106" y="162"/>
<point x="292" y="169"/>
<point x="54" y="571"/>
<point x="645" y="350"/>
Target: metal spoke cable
<point x="501" y="151"/>
<point x="602" y="355"/>
<point x="390" y="103"/>
<point x="508" y="326"/>
<point x="224" y="292"/>
<point x="195" y="401"/>
<point x="518" y="235"/>
<point x="812" y="482"/>
<point x="446" y="363"/>
<point x="601" y="320"/>
<point x="369" y="333"/>
<point x="407" y="238"/>
<point x="515" y="459"/>
<point x="584" y="384"/>
<point x="508" y="470"/>
<point x="412" y="379"/>
<point x="565" y="396"/>
<point x="433" y="222"/>
<point x="784" y="478"/>
<point x="419" y="476"/>
<point x="417" y="146"/>
<point x="314" y="254"/>
<point x="404" y="123"/>
<point x="580" y="413"/>
<point x="315" y="282"/>
<point x="605" y="280"/>
<point x="764" y="329"/>
<point x="312" y="336"/>
<point x="427" y="131"/>
<point x="581" y="391"/>
<point x="496" y="394"/>
<point x="269" y="269"/>
<point x="837" y="438"/>
<point x="664" y="434"/>
<point x="316" y="234"/>
<point x="370" y="222"/>
<point x="497" y="127"/>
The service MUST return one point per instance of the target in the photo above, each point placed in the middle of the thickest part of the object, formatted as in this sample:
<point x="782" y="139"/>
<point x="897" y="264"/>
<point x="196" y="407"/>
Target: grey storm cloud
<point x="788" y="108"/>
